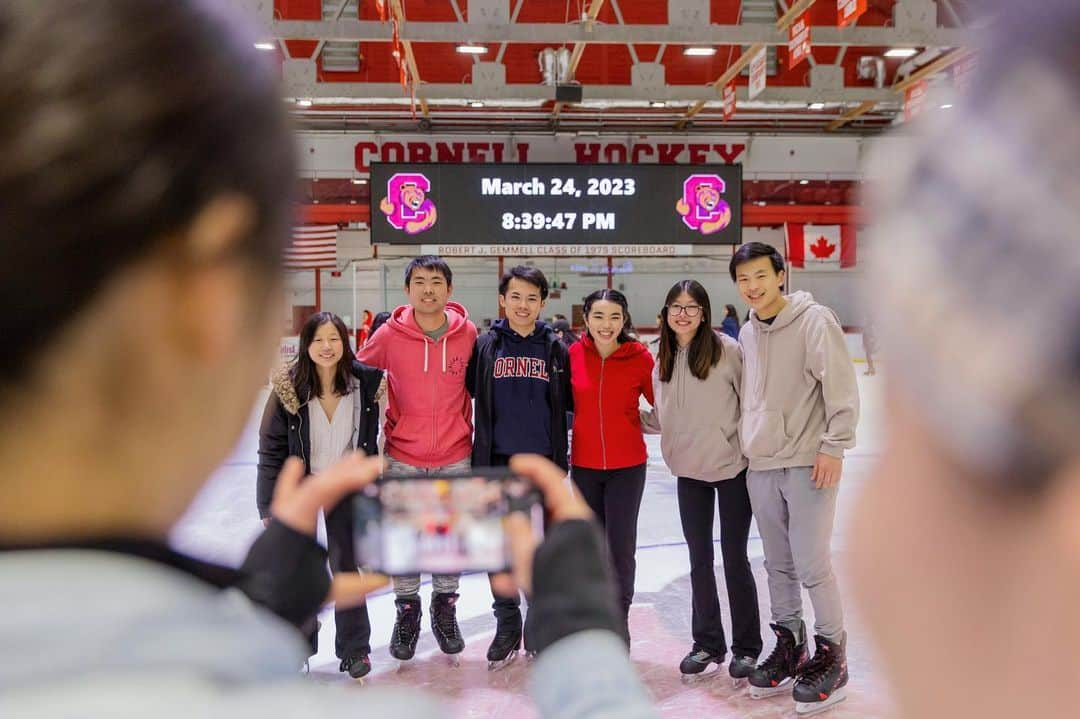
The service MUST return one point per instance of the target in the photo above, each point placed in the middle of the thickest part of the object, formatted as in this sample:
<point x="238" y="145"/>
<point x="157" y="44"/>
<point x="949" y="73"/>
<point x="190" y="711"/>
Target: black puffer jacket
<point x="286" y="431"/>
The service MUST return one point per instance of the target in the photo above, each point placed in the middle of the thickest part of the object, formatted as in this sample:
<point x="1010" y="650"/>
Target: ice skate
<point x="504" y="647"/>
<point x="823" y="680"/>
<point x="777" y="673"/>
<point x="445" y="627"/>
<point x="739" y="669"/>
<point x="358" y="666"/>
<point x="406" y="630"/>
<point x="695" y="665"/>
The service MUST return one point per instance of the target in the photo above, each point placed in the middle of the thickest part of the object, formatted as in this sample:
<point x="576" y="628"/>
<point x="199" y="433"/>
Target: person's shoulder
<point x="819" y="316"/>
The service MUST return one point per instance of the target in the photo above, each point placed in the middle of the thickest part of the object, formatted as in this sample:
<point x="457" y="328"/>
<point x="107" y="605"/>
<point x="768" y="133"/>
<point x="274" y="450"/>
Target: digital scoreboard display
<point x="499" y="203"/>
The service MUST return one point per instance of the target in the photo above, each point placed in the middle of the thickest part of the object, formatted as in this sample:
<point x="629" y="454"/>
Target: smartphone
<point x="444" y="524"/>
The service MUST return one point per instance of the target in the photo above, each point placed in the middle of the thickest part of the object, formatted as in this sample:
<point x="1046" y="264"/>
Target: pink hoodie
<point x="429" y="420"/>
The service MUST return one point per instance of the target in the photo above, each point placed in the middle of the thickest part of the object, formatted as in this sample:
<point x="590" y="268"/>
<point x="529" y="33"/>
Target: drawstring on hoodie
<point x="425" y="356"/>
<point x="763" y="368"/>
<point x="426" y="345"/>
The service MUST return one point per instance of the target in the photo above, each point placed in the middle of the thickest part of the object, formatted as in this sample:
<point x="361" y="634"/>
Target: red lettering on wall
<point x="419" y="152"/>
<point x="587" y="154"/>
<point x="637" y="151"/>
<point x="449" y="151"/>
<point x="522" y="152"/>
<point x="477" y="151"/>
<point x="729" y="153"/>
<point x="393" y="152"/>
<point x="615" y="153"/>
<point x="669" y="153"/>
<point x="698" y="153"/>
<point x="497" y="151"/>
<point x="360" y="155"/>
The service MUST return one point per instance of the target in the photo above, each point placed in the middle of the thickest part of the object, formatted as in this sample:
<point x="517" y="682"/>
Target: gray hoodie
<point x="698" y="420"/>
<point x="799" y="392"/>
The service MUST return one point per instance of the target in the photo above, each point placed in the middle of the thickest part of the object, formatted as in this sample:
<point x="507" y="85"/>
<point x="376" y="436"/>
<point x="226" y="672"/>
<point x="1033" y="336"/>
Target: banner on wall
<point x="915" y="100"/>
<point x="820" y="247"/>
<point x="799" y="40"/>
<point x="758" y="72"/>
<point x="728" y="98"/>
<point x="849" y="11"/>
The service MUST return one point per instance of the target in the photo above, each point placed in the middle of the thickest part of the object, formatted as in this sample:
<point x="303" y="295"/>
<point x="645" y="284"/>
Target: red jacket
<point x="429" y="420"/>
<point x="607" y="425"/>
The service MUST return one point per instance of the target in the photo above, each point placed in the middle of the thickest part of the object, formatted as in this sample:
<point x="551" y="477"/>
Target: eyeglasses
<point x="688" y="310"/>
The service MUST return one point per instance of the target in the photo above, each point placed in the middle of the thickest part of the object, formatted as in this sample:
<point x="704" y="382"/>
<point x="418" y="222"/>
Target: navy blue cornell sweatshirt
<point x="522" y="412"/>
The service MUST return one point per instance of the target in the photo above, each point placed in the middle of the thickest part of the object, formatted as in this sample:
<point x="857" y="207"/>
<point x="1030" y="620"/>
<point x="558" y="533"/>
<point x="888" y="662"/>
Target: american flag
<point x="313" y="247"/>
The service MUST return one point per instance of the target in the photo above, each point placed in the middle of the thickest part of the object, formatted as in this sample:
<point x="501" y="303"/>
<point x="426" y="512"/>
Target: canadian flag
<point x="820" y="247"/>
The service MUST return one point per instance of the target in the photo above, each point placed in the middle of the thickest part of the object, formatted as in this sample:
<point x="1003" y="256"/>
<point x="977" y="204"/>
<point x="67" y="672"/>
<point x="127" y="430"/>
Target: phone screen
<point x="443" y="524"/>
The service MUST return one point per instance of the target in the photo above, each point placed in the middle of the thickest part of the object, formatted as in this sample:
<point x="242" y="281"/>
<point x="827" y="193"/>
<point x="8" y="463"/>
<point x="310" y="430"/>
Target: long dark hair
<point x="705" y="349"/>
<point x="733" y="314"/>
<point x="618" y="298"/>
<point x="114" y="140"/>
<point x="305" y="375"/>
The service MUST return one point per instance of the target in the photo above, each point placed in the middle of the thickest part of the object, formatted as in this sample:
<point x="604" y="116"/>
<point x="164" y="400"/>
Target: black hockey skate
<point x="741" y="667"/>
<point x="824" y="678"/>
<point x="445" y="627"/>
<point x="406" y="628"/>
<point x="358" y="666"/>
<point x="777" y="673"/>
<point x="504" y="647"/>
<point x="698" y="660"/>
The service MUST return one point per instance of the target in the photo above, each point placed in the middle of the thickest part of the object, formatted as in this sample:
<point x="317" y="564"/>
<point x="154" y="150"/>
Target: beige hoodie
<point x="698" y="420"/>
<point x="799" y="391"/>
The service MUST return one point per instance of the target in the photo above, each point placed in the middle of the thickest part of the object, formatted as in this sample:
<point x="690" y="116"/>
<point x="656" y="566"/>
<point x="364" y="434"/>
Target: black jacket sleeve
<point x="567" y="388"/>
<point x="471" y="378"/>
<point x="273" y="451"/>
<point x="285" y="571"/>
<point x="573" y="589"/>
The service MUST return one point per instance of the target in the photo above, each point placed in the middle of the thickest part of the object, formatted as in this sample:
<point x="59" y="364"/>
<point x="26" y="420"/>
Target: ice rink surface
<point x="223" y="521"/>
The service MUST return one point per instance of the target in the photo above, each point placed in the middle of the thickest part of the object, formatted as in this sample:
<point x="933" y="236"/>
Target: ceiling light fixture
<point x="657" y="103"/>
<point x="901" y="52"/>
<point x="265" y="46"/>
<point x="304" y="103"/>
<point x="946" y="106"/>
<point x="476" y="103"/>
<point x="359" y="181"/>
<point x="699" y="51"/>
<point x="817" y="105"/>
<point x="804" y="182"/>
<point x="472" y="49"/>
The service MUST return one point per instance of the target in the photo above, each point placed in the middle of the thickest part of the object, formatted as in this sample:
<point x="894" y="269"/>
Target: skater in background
<point x="425" y="348"/>
<point x="520" y="377"/>
<point x="609" y="372"/>
<point x="966" y="542"/>
<point x="800" y="406"/>
<point x="730" y="324"/>
<point x="320" y="408"/>
<point x="696" y="383"/>
<point x="869" y="344"/>
<point x="379" y="321"/>
<point x="564" y="332"/>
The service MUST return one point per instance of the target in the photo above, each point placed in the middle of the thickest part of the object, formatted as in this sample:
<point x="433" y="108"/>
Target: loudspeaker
<point x="568" y="93"/>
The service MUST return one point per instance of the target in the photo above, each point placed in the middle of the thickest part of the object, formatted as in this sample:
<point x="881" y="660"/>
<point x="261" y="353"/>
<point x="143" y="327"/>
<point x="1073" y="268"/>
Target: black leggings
<point x="696" y="500"/>
<point x="353" y="626"/>
<point x="614" y="496"/>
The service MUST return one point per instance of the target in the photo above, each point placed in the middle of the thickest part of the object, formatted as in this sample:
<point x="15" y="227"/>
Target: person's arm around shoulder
<point x="830" y="363"/>
<point x="647" y="363"/>
<point x="650" y="418"/>
<point x="472" y="380"/>
<point x="373" y="353"/>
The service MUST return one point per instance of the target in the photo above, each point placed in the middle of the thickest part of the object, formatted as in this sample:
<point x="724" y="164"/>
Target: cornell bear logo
<point x="702" y="208"/>
<point x="406" y="205"/>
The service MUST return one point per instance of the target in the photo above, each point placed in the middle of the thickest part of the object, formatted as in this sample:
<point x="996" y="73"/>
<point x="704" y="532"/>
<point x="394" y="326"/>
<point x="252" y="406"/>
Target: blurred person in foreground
<point x="162" y="160"/>
<point x="966" y="541"/>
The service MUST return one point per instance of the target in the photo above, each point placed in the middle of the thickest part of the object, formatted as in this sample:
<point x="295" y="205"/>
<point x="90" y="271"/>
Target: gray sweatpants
<point x="409" y="584"/>
<point x="796" y="520"/>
